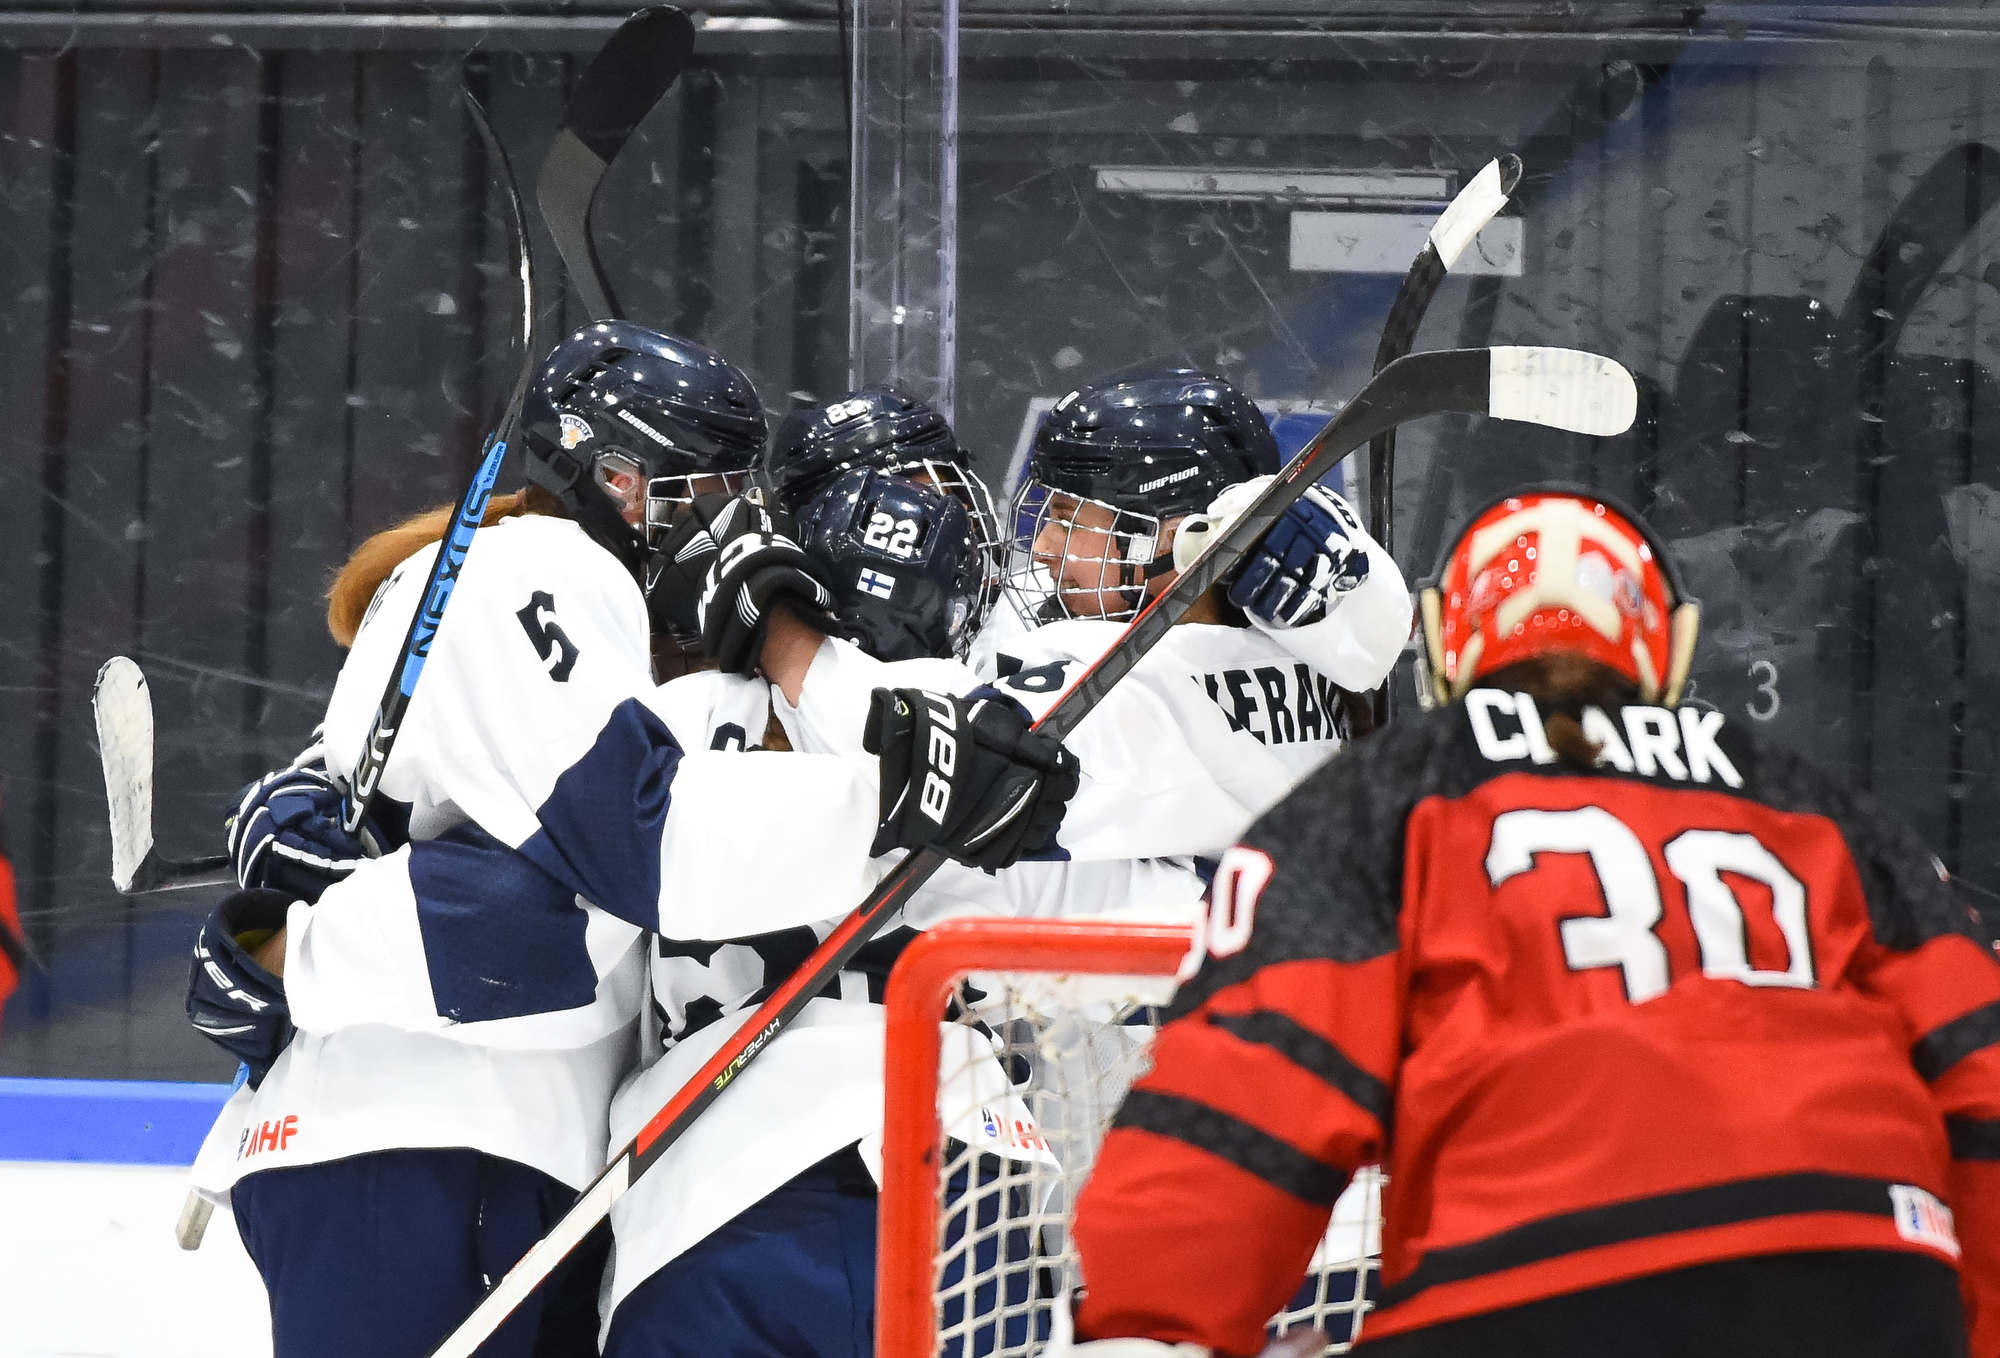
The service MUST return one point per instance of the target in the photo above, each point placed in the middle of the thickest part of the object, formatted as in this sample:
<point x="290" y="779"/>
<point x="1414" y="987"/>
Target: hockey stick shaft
<point x="630" y="74"/>
<point x="1559" y="387"/>
<point x="452" y="547"/>
<point x="1462" y="220"/>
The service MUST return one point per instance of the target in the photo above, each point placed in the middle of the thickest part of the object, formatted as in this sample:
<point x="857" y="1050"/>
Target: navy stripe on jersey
<point x="705" y="981"/>
<point x="1311" y="1052"/>
<point x="502" y="938"/>
<point x="1949" y="1043"/>
<point x="602" y="823"/>
<point x="1230" y="1138"/>
<point x="1973" y="1138"/>
<point x="1694" y="1209"/>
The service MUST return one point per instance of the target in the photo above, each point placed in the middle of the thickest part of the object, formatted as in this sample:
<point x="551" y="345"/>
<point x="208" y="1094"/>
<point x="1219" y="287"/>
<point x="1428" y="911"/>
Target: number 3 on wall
<point x="1624" y="936"/>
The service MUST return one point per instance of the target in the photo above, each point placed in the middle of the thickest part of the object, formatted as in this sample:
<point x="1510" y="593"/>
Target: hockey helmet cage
<point x="1114" y="463"/>
<point x="618" y="411"/>
<point x="906" y="561"/>
<point x="1556" y="568"/>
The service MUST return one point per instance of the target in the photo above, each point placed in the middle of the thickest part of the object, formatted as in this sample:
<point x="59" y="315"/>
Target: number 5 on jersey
<point x="1626" y="936"/>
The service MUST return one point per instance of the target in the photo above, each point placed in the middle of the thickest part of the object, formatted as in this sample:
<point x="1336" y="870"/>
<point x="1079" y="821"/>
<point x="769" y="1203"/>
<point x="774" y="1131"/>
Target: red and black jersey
<point x="1701" y="1001"/>
<point x="13" y="950"/>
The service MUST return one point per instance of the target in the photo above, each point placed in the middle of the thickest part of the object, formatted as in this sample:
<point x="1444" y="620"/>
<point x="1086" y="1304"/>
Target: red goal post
<point x="1070" y="1048"/>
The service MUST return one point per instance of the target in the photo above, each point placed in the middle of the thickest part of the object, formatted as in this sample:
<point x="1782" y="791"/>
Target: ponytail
<point x="1563" y="683"/>
<point x="348" y="597"/>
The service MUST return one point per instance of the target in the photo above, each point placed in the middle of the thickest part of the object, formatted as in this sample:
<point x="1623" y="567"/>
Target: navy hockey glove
<point x="965" y="776"/>
<point x="728" y="562"/>
<point x="1304" y="564"/>
<point x="286" y="835"/>
<point x="232" y="1001"/>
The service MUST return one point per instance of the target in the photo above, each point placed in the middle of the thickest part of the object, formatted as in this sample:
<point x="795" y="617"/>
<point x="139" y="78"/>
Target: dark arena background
<point x="254" y="304"/>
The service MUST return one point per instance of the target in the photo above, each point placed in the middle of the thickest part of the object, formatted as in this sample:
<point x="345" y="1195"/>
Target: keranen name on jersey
<point x="1277" y="705"/>
<point x="1652" y="742"/>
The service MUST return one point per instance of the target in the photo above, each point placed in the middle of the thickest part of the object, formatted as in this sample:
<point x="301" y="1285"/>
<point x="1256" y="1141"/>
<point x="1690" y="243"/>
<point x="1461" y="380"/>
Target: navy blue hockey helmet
<point x="884" y="427"/>
<point x="625" y="425"/>
<point x="1114" y="464"/>
<point x="875" y="426"/>
<point x="906" y="561"/>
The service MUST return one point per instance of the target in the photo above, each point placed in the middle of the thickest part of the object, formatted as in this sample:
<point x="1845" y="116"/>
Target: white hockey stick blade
<point x="1571" y="389"/>
<point x="124" y="710"/>
<point x="1476" y="204"/>
<point x="193" y="1224"/>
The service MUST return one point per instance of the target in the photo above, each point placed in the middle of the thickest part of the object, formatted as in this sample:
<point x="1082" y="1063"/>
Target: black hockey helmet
<point x="619" y="411"/>
<point x="1162" y="443"/>
<point x="884" y="427"/>
<point x="875" y="426"/>
<point x="908" y="568"/>
<point x="1121" y="459"/>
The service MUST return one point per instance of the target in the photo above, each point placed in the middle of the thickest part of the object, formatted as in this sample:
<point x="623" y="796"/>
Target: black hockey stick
<point x="1476" y="204"/>
<point x="1561" y="388"/>
<point x="1463" y="219"/>
<point x="630" y="74"/>
<point x="453" y="545"/>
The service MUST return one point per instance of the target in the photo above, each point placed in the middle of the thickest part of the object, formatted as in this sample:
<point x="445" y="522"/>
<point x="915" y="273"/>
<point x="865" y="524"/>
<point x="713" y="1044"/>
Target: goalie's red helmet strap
<point x="1551" y="569"/>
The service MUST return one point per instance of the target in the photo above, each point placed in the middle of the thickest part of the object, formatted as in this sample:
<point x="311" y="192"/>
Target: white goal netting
<point x="1028" y="1074"/>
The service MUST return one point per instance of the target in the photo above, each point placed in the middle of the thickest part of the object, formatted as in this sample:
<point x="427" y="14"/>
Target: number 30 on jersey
<point x="1625" y="935"/>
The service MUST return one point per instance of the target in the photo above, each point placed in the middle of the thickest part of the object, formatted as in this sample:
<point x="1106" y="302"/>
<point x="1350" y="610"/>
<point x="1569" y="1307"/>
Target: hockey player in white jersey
<point x="884" y="427"/>
<point x="754" y="1235"/>
<point x="464" y="1004"/>
<point x="1255" y="688"/>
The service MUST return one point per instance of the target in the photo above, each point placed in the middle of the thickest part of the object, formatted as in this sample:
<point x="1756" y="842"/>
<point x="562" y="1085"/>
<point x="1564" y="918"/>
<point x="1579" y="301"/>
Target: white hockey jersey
<point x="456" y="994"/>
<point x="1213" y="727"/>
<point x="820" y="1085"/>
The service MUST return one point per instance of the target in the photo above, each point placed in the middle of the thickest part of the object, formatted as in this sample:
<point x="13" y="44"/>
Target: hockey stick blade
<point x="627" y="78"/>
<point x="1456" y="227"/>
<point x="122" y="704"/>
<point x="1566" y="389"/>
<point x="457" y="541"/>
<point x="123" y="708"/>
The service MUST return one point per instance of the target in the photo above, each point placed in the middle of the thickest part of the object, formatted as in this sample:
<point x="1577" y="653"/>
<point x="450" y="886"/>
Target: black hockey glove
<point x="286" y="834"/>
<point x="232" y="1001"/>
<point x="965" y="776"/>
<point x="726" y="564"/>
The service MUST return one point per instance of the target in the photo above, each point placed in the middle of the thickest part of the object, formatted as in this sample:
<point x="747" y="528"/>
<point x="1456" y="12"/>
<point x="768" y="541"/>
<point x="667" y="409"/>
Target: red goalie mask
<point x="1547" y="569"/>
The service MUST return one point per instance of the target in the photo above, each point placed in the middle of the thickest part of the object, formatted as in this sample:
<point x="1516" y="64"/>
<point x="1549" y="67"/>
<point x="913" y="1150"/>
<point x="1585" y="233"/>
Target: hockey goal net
<point x="993" y="1119"/>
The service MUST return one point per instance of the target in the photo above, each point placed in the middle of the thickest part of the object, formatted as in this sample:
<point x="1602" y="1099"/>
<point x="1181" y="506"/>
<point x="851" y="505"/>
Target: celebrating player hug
<point x="574" y="965"/>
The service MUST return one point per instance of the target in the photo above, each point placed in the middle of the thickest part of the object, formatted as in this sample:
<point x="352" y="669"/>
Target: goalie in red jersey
<point x="1669" y="1042"/>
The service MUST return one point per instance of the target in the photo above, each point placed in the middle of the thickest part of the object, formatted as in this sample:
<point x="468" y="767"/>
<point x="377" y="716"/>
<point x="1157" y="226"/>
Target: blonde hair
<point x="347" y="598"/>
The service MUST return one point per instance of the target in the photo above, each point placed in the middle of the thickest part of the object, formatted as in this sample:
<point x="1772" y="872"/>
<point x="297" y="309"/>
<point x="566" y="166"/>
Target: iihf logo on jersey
<point x="875" y="583"/>
<point x="575" y="429"/>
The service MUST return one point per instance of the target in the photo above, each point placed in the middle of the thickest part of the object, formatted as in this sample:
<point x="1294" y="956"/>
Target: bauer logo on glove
<point x="989" y="789"/>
